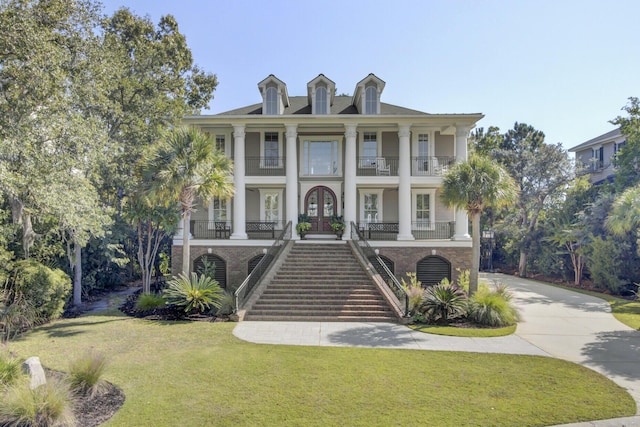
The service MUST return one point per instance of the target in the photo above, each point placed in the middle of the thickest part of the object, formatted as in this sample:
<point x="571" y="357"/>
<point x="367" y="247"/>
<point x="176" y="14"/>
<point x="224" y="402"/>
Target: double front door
<point x="320" y="206"/>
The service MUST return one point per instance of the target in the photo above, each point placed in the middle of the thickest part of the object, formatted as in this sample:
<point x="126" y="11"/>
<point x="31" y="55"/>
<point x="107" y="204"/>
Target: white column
<point x="291" y="169"/>
<point x="239" y="201"/>
<point x="404" y="187"/>
<point x="350" y="192"/>
<point x="462" y="221"/>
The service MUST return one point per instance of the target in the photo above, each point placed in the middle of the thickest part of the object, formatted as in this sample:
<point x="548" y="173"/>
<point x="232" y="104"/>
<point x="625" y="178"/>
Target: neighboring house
<point x="597" y="155"/>
<point x="377" y="165"/>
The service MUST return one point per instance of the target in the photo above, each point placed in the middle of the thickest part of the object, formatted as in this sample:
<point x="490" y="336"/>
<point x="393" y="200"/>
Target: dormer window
<point x="371" y="100"/>
<point x="366" y="97"/>
<point x="320" y="93"/>
<point x="271" y="103"/>
<point x="274" y="95"/>
<point x="321" y="100"/>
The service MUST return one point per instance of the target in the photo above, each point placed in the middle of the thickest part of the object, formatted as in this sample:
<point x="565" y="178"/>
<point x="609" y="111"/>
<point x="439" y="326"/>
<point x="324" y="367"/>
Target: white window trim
<point x="414" y="149"/>
<point x="314" y="109"/>
<point x="262" y="156"/>
<point x="379" y="193"/>
<point x="227" y="141"/>
<point x="432" y="206"/>
<point x="278" y="102"/>
<point x="319" y="139"/>
<point x="210" y="212"/>
<point x="263" y="192"/>
<point x="363" y="163"/>
<point x="377" y="100"/>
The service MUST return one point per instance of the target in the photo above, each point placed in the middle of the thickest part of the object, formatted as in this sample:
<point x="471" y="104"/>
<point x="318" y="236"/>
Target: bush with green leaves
<point x="195" y="294"/>
<point x="604" y="263"/>
<point x="493" y="307"/>
<point x="443" y="302"/>
<point x="48" y="405"/>
<point x="86" y="372"/>
<point x="10" y="369"/>
<point x="43" y="288"/>
<point x="227" y="304"/>
<point x="15" y="318"/>
<point x="149" y="302"/>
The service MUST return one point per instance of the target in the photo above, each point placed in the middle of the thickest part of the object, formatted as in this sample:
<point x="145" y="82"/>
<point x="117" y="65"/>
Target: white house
<point x="597" y="154"/>
<point x="377" y="165"/>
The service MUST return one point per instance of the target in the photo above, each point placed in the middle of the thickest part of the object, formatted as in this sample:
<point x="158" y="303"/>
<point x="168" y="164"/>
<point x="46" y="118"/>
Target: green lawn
<point x="465" y="332"/>
<point x="199" y="374"/>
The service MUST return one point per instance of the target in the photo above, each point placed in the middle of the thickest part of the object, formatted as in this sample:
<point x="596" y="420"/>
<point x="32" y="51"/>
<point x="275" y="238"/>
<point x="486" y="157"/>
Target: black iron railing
<point x="377" y="166"/>
<point x="244" y="291"/>
<point x="264" y="166"/>
<point x="431" y="165"/>
<point x="216" y="230"/>
<point x="367" y="252"/>
<point x="433" y="230"/>
<point x="419" y="230"/>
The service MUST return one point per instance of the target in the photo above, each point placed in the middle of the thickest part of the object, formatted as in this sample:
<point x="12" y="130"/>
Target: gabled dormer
<point x="274" y="95"/>
<point x="320" y="93"/>
<point x="366" y="96"/>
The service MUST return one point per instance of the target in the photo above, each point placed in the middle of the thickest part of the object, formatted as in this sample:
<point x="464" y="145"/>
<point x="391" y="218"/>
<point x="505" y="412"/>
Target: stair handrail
<point x="369" y="254"/>
<point x="244" y="290"/>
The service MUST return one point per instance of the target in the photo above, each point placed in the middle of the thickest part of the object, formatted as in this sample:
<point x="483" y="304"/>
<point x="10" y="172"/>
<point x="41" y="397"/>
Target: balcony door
<point x="320" y="206"/>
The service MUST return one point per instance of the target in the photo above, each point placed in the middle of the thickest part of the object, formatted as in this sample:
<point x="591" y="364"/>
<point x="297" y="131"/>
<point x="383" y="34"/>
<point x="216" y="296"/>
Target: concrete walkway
<point x="556" y="323"/>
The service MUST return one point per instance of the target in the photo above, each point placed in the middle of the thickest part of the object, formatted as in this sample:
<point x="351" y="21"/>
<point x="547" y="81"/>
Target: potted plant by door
<point x="303" y="226"/>
<point x="337" y="225"/>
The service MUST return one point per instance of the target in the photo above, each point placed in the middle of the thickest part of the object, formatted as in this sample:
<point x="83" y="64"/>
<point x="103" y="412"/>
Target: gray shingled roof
<point x="597" y="140"/>
<point x="341" y="105"/>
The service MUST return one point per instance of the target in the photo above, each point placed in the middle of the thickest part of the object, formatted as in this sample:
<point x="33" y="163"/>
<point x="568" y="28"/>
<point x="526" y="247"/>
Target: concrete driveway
<point x="578" y="328"/>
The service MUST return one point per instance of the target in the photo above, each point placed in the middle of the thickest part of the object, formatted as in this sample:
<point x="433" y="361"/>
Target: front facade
<point x="597" y="154"/>
<point x="376" y="165"/>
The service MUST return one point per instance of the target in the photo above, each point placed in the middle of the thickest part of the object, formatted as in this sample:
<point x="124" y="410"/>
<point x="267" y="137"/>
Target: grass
<point x="198" y="373"/>
<point x="454" y="331"/>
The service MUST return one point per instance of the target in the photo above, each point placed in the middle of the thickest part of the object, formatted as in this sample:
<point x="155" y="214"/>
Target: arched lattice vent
<point x="432" y="269"/>
<point x="220" y="268"/>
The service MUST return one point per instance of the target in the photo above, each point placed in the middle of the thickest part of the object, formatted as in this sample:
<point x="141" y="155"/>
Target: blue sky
<point x="566" y="67"/>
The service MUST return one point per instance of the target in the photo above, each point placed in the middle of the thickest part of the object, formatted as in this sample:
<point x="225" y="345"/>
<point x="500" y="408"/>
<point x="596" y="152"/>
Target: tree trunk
<point x="475" y="253"/>
<point x="186" y="255"/>
<point x="522" y="265"/>
<point x="77" y="275"/>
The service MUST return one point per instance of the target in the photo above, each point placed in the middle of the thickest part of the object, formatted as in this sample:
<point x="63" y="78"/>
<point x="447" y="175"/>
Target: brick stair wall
<point x="321" y="282"/>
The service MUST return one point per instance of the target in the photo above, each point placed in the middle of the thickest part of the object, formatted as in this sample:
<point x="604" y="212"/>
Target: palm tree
<point x="473" y="185"/>
<point x="625" y="213"/>
<point x="182" y="167"/>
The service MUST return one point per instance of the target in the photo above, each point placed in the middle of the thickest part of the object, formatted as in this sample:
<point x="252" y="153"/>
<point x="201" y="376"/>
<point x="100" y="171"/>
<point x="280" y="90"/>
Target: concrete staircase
<point x="321" y="282"/>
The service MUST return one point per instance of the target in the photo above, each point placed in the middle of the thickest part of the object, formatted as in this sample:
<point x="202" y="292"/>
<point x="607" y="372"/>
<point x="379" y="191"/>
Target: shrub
<point x="604" y="264"/>
<point x="414" y="290"/>
<point x="15" y="318"/>
<point x="443" y="302"/>
<point x="463" y="279"/>
<point x="195" y="294"/>
<point x="43" y="288"/>
<point x="10" y="370"/>
<point x="493" y="308"/>
<point x="149" y="302"/>
<point x="85" y="374"/>
<point x="227" y="304"/>
<point x="48" y="405"/>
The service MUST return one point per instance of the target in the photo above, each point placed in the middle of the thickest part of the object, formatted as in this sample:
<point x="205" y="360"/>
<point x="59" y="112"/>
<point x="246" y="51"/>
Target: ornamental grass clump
<point x="493" y="308"/>
<point x="195" y="295"/>
<point x="48" y="405"/>
<point x="414" y="291"/>
<point x="10" y="370"/>
<point x="443" y="302"/>
<point x="147" y="302"/>
<point x="86" y="372"/>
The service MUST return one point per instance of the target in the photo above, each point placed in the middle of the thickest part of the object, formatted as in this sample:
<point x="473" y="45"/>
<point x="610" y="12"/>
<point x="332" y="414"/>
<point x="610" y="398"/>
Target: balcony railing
<point x="431" y="166"/>
<point x="420" y="230"/>
<point x="377" y="166"/>
<point x="221" y="230"/>
<point x="264" y="166"/>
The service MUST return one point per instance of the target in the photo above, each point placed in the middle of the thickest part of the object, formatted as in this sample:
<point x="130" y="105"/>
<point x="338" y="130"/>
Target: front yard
<point x="198" y="373"/>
